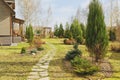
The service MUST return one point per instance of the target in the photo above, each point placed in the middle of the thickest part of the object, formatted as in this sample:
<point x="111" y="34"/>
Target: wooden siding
<point x="5" y="21"/>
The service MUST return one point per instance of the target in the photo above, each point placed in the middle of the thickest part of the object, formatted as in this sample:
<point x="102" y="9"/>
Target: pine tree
<point x="96" y="34"/>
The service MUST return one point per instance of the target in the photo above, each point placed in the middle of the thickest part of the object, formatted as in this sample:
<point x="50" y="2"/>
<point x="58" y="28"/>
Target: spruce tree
<point x="96" y="34"/>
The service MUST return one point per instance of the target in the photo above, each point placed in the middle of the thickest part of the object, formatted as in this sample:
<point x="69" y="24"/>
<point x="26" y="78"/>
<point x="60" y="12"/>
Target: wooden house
<point x="8" y="34"/>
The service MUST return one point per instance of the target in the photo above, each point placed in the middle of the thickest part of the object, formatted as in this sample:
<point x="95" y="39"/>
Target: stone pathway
<point x="106" y="68"/>
<point x="40" y="70"/>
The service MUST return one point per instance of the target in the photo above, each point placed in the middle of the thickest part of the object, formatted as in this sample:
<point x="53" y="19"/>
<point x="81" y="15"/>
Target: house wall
<point x="4" y="19"/>
<point x="5" y="25"/>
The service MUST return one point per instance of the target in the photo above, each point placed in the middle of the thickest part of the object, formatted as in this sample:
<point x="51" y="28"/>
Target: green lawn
<point x="59" y="69"/>
<point x="14" y="66"/>
<point x="6" y="50"/>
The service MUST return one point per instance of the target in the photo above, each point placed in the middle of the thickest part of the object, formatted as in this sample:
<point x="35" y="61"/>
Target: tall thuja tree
<point x="26" y="33"/>
<point x="76" y="31"/>
<point x="61" y="31"/>
<point x="83" y="30"/>
<point x="96" y="34"/>
<point x="29" y="33"/>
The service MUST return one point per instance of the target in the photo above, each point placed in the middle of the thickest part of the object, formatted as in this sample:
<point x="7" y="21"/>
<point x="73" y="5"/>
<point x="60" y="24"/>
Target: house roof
<point x="9" y="7"/>
<point x="18" y="20"/>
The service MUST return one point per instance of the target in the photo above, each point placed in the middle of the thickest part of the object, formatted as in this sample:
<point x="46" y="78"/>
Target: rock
<point x="33" y="54"/>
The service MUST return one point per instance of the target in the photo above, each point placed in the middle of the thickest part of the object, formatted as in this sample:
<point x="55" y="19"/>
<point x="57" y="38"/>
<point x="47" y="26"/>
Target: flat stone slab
<point x="34" y="77"/>
<point x="44" y="74"/>
<point x="37" y="70"/>
<point x="46" y="78"/>
<point x="44" y="67"/>
<point x="33" y="73"/>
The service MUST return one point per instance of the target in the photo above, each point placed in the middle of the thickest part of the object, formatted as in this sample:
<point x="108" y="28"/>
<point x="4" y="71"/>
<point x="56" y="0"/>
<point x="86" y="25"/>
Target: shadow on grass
<point x="115" y="56"/>
<point x="58" y="43"/>
<point x="62" y="69"/>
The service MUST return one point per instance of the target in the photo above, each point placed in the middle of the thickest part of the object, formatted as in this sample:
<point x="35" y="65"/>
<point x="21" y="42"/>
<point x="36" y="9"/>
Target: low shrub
<point x="37" y="42"/>
<point x="33" y="51"/>
<point x="69" y="41"/>
<point x="40" y="49"/>
<point x="115" y="48"/>
<point x="73" y="53"/>
<point x="112" y="35"/>
<point x="79" y="39"/>
<point x="23" y="50"/>
<point x="83" y="66"/>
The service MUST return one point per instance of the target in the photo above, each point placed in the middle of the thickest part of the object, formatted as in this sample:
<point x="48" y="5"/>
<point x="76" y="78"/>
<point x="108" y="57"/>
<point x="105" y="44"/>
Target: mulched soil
<point x="106" y="68"/>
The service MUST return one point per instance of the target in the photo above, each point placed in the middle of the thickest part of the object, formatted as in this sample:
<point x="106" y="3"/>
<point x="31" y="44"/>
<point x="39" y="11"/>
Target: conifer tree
<point x="61" y="31"/>
<point x="56" y="30"/>
<point x="68" y="34"/>
<point x="26" y="33"/>
<point x="76" y="31"/>
<point x="96" y="34"/>
<point x="29" y="33"/>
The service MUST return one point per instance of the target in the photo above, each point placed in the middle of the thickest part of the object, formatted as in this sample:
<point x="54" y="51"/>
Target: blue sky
<point x="63" y="10"/>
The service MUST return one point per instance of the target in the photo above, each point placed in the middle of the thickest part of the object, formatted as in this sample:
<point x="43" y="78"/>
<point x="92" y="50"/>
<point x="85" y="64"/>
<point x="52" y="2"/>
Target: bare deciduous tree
<point x="29" y="10"/>
<point x="49" y="15"/>
<point x="114" y="13"/>
<point x="78" y="14"/>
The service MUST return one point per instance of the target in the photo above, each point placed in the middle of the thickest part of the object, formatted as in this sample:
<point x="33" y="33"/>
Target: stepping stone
<point x="33" y="73"/>
<point x="46" y="78"/>
<point x="37" y="70"/>
<point x="44" y="67"/>
<point x="34" y="77"/>
<point x="46" y="64"/>
<point x="44" y="74"/>
<point x="39" y="64"/>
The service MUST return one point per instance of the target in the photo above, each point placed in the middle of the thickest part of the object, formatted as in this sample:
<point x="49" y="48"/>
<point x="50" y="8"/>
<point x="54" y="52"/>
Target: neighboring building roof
<point x="47" y="28"/>
<point x="8" y="7"/>
<point x="12" y="1"/>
